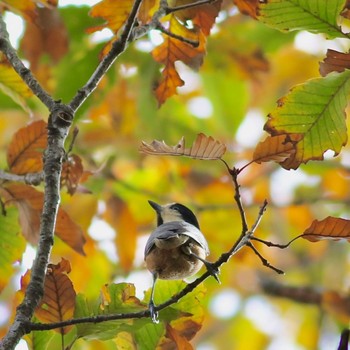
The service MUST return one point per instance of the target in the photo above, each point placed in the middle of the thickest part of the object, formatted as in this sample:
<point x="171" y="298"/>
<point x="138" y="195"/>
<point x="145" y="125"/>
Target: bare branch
<point x="20" y="68"/>
<point x="30" y="179"/>
<point x="263" y="260"/>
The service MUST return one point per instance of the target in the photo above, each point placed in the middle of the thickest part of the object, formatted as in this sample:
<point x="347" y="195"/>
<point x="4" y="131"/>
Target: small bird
<point x="176" y="249"/>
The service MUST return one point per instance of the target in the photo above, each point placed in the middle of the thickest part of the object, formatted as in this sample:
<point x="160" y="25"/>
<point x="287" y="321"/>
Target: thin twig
<point x="188" y="6"/>
<point x="118" y="47"/>
<point x="30" y="179"/>
<point x="193" y="43"/>
<point x="21" y="69"/>
<point x="263" y="260"/>
<point x="74" y="137"/>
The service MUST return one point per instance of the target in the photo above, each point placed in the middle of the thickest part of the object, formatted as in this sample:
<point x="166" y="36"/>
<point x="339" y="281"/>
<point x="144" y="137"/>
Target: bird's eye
<point x="175" y="207"/>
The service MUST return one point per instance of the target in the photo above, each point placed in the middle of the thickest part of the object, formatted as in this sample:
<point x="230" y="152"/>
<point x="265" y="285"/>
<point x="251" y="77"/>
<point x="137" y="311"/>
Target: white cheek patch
<point x="171" y="216"/>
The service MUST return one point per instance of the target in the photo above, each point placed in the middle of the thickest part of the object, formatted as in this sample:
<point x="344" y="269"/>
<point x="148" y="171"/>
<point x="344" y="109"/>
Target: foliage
<point x="184" y="70"/>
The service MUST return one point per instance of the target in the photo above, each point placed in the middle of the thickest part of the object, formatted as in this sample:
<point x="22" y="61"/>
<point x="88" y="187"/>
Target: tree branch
<point x="58" y="125"/>
<point x="118" y="47"/>
<point x="20" y="68"/>
<point x="29" y="179"/>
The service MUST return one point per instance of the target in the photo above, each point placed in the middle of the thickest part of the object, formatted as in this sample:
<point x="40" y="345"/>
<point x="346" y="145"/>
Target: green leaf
<point x="12" y="244"/>
<point x="314" y="111"/>
<point x="316" y="16"/>
<point x="114" y="299"/>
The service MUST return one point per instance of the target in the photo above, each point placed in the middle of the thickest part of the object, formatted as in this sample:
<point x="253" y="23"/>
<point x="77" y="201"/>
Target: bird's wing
<point x="174" y="228"/>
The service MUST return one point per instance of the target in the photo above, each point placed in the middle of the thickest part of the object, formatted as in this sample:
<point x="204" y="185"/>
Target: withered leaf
<point x="328" y="228"/>
<point x="334" y="62"/>
<point x="204" y="147"/>
<point x="72" y="171"/>
<point x="274" y="148"/>
<point x="25" y="152"/>
<point x="58" y="303"/>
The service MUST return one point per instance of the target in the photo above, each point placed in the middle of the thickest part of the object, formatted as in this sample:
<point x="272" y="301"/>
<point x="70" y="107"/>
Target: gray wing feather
<point x="173" y="228"/>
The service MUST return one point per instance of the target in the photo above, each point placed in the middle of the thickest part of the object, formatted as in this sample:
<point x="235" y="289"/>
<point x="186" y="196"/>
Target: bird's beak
<point x="155" y="206"/>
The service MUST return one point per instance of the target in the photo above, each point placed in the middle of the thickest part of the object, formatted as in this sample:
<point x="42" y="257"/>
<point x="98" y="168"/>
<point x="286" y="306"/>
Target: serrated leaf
<point x="274" y="148"/>
<point x="25" y="152"/>
<point x="58" y="302"/>
<point x="185" y="317"/>
<point x="12" y="245"/>
<point x="174" y="49"/>
<point x="328" y="228"/>
<point x="314" y="111"/>
<point x="316" y="16"/>
<point x="204" y="147"/>
<point x="29" y="202"/>
<point x="114" y="298"/>
<point x="334" y="62"/>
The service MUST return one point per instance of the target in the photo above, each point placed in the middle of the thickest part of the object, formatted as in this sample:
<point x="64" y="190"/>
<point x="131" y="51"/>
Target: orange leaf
<point x="25" y="151"/>
<point x="119" y="216"/>
<point x="202" y="16"/>
<point x="58" y="303"/>
<point x="180" y="341"/>
<point x="29" y="202"/>
<point x="274" y="148"/>
<point x="47" y="35"/>
<point x="334" y="62"/>
<point x="204" y="147"/>
<point x="247" y="7"/>
<point x="172" y="50"/>
<point x="146" y="11"/>
<point x="114" y="12"/>
<point x="328" y="228"/>
<point x="72" y="171"/>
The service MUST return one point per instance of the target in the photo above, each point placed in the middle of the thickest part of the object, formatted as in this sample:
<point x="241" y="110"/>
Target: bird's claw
<point x="213" y="270"/>
<point x="153" y="312"/>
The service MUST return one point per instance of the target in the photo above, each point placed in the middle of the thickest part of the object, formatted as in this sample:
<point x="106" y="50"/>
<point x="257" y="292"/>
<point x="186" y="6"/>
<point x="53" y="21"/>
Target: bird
<point x="176" y="249"/>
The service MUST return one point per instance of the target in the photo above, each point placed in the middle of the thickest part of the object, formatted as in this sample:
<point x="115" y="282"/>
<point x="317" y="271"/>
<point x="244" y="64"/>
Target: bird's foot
<point x="213" y="270"/>
<point x="153" y="312"/>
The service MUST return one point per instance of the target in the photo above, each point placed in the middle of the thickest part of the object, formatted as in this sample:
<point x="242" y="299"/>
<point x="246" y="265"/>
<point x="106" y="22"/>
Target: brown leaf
<point x="58" y="303"/>
<point x="273" y="148"/>
<point x="29" y="202"/>
<point x="204" y="147"/>
<point x="25" y="152"/>
<point x="72" y="171"/>
<point x="334" y="62"/>
<point x="247" y="7"/>
<point x="328" y="228"/>
<point x="174" y="49"/>
<point x="114" y="12"/>
<point x="119" y="216"/>
<point x="46" y="35"/>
